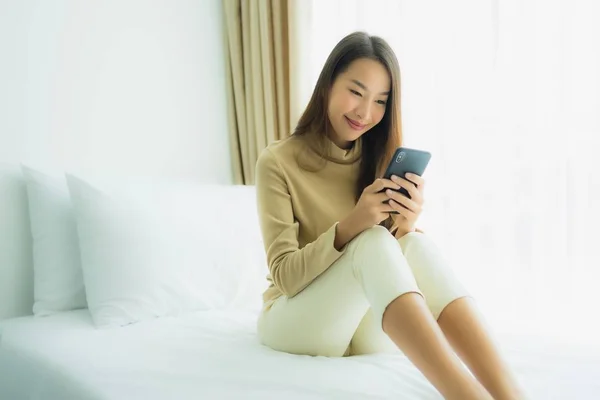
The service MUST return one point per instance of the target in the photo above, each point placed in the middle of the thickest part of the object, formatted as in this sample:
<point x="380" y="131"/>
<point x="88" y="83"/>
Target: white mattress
<point x="215" y="355"/>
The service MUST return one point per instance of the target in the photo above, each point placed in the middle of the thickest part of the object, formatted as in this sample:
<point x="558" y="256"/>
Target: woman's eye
<point x="382" y="102"/>
<point x="355" y="92"/>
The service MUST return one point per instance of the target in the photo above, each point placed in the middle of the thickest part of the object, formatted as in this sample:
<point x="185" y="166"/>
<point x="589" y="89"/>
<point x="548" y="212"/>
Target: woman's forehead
<point x="371" y="75"/>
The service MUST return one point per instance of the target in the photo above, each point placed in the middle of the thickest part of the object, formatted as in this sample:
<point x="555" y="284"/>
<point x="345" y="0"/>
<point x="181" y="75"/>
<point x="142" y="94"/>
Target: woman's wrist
<point x="346" y="230"/>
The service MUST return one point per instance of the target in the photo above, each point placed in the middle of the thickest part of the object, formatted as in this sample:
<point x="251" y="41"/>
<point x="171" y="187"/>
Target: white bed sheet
<point x="215" y="355"/>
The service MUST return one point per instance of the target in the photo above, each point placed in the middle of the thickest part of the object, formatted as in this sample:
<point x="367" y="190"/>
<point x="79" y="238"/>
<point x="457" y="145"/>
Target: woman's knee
<point x="423" y="255"/>
<point x="377" y="249"/>
<point x="416" y="241"/>
<point x="373" y="238"/>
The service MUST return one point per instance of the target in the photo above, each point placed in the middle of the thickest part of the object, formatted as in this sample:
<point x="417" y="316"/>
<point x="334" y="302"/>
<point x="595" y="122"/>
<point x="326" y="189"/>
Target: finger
<point x="383" y="203"/>
<point x="401" y="199"/>
<point x="404" y="212"/>
<point x="381" y="184"/>
<point x="397" y="217"/>
<point x="386" y="209"/>
<point x="381" y="197"/>
<point x="416" y="194"/>
<point x="375" y="187"/>
<point x="410" y="187"/>
<point x="419" y="181"/>
<point x="389" y="184"/>
<point x="416" y="179"/>
<point x="405" y="202"/>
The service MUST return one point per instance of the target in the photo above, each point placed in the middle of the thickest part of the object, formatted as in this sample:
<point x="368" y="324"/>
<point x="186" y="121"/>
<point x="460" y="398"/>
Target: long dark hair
<point x="380" y="142"/>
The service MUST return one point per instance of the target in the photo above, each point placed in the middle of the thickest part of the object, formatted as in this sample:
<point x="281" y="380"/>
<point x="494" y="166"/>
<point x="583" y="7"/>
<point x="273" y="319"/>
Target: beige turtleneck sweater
<point x="299" y="210"/>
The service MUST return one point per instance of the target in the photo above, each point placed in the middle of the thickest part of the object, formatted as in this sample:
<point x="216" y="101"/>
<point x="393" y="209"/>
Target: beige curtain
<point x="257" y="59"/>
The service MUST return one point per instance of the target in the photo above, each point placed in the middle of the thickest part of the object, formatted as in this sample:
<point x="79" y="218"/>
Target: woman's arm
<point x="291" y="268"/>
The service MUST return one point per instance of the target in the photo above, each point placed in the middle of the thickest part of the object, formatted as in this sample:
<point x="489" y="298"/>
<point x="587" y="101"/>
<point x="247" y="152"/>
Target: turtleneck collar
<point x="344" y="156"/>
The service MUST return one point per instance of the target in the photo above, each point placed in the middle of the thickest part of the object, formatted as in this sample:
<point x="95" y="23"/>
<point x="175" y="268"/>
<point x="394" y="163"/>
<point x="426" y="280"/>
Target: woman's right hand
<point x="372" y="206"/>
<point x="370" y="210"/>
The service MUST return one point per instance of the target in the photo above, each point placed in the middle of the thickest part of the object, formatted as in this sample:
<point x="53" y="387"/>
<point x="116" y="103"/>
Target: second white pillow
<point x="153" y="250"/>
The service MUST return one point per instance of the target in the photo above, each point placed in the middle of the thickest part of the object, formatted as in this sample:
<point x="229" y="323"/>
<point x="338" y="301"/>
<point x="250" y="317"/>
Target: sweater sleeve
<point x="291" y="268"/>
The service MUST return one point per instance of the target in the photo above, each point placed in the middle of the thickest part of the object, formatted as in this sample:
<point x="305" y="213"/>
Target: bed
<point x="216" y="355"/>
<point x="188" y="331"/>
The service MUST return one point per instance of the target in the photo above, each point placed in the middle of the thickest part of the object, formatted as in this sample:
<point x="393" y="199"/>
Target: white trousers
<point x="340" y="313"/>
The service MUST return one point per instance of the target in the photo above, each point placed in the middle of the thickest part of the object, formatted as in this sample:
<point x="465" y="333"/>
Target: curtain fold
<point x="257" y="58"/>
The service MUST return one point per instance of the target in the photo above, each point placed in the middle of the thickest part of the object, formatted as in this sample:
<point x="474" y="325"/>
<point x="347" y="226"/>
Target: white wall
<point x="118" y="86"/>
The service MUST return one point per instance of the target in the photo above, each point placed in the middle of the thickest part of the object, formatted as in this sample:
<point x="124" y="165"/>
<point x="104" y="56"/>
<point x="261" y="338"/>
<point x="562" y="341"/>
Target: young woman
<point x="347" y="276"/>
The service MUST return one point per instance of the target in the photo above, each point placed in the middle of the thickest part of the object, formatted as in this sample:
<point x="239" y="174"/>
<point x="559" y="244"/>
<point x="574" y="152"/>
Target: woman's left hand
<point x="408" y="209"/>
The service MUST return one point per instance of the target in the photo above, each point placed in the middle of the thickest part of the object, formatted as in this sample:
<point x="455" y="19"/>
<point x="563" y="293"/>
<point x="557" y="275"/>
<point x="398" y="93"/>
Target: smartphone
<point x="407" y="160"/>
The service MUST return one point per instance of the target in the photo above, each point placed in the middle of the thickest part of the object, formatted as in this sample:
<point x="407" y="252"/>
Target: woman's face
<point x="357" y="100"/>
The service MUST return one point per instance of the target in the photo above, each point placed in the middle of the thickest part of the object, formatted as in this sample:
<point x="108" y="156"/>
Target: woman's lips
<point x="354" y="125"/>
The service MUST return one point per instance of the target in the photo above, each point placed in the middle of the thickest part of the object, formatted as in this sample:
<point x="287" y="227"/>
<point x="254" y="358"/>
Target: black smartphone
<point x="407" y="160"/>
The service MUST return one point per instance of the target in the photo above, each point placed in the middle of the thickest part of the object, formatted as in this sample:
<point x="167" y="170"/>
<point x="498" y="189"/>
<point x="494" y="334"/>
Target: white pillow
<point x="58" y="281"/>
<point x="154" y="250"/>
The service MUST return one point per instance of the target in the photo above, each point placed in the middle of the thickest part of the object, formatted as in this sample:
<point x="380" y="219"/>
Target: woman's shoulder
<point x="283" y="146"/>
<point x="281" y="151"/>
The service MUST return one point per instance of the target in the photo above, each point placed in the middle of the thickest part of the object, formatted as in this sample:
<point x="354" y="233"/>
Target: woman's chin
<point x="353" y="135"/>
